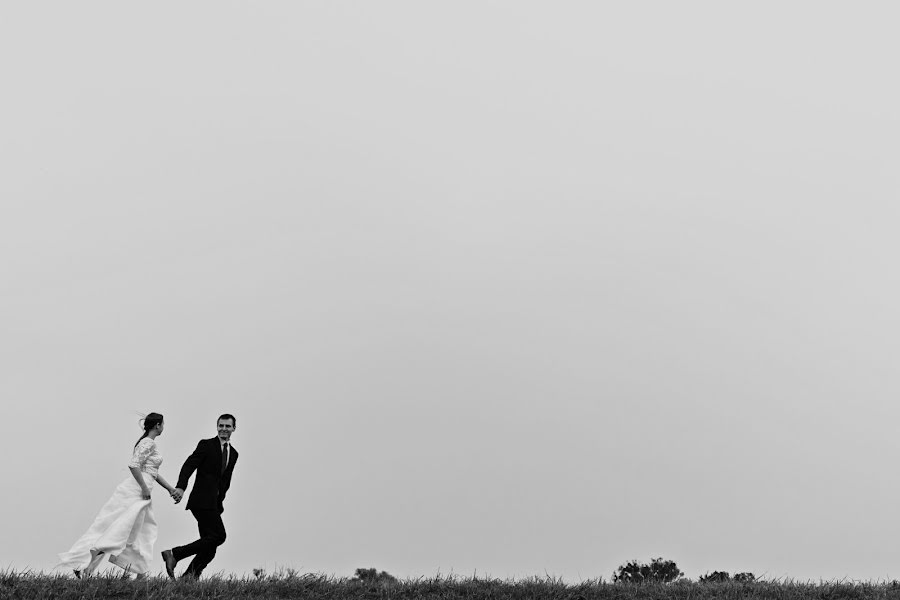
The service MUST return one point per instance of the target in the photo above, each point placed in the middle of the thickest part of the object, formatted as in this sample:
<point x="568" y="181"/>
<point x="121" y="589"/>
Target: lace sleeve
<point x="141" y="452"/>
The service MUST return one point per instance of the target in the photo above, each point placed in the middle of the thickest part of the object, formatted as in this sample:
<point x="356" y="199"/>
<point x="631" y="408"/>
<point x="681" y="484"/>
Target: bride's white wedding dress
<point x="124" y="529"/>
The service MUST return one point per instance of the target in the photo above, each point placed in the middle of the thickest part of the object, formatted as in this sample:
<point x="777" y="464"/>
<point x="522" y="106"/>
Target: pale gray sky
<point x="515" y="287"/>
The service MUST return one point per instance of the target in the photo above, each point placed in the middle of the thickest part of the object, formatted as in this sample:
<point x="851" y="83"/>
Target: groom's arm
<point x="190" y="465"/>
<point x="226" y="483"/>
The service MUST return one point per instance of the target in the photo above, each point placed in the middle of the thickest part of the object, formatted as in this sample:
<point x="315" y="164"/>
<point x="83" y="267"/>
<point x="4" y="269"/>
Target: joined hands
<point x="177" y="494"/>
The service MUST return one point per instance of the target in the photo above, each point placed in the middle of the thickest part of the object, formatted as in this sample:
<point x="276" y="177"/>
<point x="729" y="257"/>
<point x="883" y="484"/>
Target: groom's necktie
<point x="224" y="456"/>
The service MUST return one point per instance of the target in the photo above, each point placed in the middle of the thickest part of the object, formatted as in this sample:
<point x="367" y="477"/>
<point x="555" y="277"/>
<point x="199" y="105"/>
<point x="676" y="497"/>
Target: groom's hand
<point x="177" y="495"/>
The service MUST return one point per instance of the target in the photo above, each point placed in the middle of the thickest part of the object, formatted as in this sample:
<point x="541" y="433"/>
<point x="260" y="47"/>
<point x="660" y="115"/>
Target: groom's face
<point x="226" y="428"/>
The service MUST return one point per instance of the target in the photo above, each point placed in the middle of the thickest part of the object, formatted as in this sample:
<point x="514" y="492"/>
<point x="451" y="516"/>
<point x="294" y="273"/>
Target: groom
<point x="213" y="460"/>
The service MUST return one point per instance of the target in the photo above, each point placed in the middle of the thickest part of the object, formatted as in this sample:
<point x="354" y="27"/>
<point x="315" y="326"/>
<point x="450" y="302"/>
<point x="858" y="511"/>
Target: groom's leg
<point x="201" y="559"/>
<point x="212" y="535"/>
<point x="180" y="552"/>
<point x="206" y="525"/>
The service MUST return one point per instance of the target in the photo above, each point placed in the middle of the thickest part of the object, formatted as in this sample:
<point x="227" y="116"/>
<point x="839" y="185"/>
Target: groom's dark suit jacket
<point x="211" y="484"/>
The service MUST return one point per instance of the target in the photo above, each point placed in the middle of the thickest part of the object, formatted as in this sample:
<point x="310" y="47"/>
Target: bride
<point x="125" y="530"/>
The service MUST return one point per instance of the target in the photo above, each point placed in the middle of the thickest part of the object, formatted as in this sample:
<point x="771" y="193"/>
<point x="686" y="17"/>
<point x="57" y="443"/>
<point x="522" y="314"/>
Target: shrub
<point x="715" y="576"/>
<point x="373" y="576"/>
<point x="724" y="576"/>
<point x="659" y="570"/>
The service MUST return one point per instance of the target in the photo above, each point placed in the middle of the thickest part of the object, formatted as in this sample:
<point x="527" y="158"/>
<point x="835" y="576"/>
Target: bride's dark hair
<point x="149" y="422"/>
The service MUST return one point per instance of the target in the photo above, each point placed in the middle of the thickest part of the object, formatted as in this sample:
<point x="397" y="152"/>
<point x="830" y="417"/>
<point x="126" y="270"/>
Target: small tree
<point x="724" y="576"/>
<point x="373" y="576"/>
<point x="715" y="576"/>
<point x="659" y="571"/>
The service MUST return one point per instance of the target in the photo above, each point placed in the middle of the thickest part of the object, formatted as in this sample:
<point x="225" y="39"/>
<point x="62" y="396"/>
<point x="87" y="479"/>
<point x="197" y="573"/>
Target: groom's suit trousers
<point x="212" y="535"/>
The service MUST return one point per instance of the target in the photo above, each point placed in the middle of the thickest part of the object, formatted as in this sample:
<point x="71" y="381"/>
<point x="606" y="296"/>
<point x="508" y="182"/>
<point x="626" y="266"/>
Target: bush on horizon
<point x="658" y="571"/>
<point x="372" y="575"/>
<point x="716" y="576"/>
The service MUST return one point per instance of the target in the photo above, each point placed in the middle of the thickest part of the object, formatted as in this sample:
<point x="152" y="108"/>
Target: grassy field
<point x="28" y="586"/>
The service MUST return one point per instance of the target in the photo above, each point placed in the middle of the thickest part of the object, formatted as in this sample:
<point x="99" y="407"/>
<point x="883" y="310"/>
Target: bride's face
<point x="160" y="427"/>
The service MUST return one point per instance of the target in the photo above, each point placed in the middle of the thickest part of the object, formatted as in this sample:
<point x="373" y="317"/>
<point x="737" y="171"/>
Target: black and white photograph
<point x="570" y="295"/>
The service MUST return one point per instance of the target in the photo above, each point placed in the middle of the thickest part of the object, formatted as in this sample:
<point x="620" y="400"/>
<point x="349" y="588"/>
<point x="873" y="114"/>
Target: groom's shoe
<point x="170" y="562"/>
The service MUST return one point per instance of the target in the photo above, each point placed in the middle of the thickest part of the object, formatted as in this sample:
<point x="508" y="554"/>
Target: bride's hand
<point x="145" y="494"/>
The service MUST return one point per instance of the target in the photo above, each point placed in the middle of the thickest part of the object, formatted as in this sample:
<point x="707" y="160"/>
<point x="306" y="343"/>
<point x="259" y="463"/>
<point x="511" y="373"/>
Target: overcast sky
<point x="512" y="288"/>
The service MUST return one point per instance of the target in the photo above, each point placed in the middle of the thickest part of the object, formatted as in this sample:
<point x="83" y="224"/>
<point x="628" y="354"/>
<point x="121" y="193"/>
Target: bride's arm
<point x="138" y="457"/>
<point x="140" y="479"/>
<point x="164" y="483"/>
